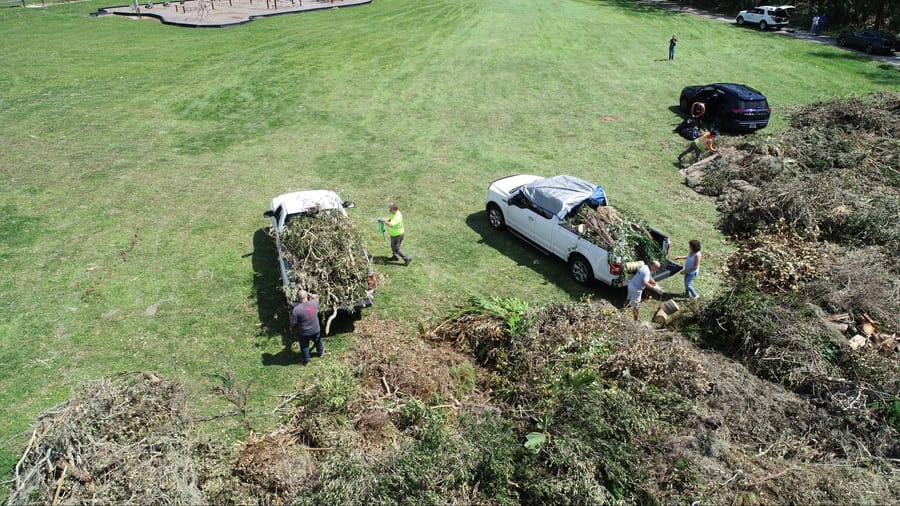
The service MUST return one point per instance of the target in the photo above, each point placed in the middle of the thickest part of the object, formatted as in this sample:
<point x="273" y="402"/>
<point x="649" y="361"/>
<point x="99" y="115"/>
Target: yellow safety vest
<point x="704" y="142"/>
<point x="395" y="224"/>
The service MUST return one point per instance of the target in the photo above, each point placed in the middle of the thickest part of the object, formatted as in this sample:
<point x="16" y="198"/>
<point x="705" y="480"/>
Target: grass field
<point x="137" y="159"/>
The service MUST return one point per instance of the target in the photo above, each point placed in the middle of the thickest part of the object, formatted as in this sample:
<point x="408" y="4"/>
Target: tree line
<point x="841" y="14"/>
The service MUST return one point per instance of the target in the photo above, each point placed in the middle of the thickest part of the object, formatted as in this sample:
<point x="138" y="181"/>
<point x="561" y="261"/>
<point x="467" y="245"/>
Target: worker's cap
<point x="302" y="294"/>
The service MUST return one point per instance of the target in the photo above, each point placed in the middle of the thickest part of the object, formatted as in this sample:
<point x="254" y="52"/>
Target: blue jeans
<point x="671" y="52"/>
<point x="304" y="345"/>
<point x="689" y="290"/>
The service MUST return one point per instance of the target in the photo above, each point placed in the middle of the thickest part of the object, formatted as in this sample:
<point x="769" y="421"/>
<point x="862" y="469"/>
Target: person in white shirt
<point x="643" y="278"/>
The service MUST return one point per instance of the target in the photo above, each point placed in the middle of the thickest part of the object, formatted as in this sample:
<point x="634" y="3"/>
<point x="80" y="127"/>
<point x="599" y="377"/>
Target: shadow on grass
<point x="554" y="270"/>
<point x="271" y="305"/>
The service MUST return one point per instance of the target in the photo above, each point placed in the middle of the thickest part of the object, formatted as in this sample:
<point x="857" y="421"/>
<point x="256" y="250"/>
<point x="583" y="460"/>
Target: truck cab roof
<point x="309" y="200"/>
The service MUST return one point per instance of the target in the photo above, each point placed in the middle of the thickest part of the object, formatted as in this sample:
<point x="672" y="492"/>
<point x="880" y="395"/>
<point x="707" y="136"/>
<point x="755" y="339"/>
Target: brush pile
<point x="814" y="209"/>
<point x="120" y="441"/>
<point x="624" y="238"/>
<point x="326" y="256"/>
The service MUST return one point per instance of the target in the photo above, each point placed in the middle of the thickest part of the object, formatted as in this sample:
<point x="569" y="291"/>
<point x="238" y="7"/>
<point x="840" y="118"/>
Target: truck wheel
<point x="495" y="217"/>
<point x="581" y="270"/>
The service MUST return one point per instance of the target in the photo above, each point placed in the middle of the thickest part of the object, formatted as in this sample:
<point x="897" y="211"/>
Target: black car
<point x="870" y="41"/>
<point x="726" y="106"/>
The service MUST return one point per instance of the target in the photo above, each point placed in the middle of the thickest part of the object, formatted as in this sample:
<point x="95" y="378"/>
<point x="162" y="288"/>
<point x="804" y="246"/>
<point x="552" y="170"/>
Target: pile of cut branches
<point x="326" y="257"/>
<point x="121" y="441"/>
<point x="624" y="238"/>
<point x="775" y="263"/>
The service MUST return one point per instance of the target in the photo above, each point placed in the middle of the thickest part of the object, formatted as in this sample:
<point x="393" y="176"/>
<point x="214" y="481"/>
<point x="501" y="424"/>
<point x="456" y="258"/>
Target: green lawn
<point x="137" y="159"/>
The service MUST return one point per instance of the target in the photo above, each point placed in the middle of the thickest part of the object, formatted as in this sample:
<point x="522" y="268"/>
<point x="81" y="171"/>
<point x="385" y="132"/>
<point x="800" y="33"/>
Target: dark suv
<point x="727" y="106"/>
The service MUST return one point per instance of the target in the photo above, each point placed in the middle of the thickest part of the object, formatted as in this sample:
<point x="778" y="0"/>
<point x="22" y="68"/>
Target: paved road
<point x="790" y="32"/>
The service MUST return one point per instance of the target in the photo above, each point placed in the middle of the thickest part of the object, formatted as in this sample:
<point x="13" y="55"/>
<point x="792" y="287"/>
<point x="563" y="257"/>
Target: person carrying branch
<point x="700" y="145"/>
<point x="394" y="223"/>
<point x="305" y="322"/>
<point x="643" y="278"/>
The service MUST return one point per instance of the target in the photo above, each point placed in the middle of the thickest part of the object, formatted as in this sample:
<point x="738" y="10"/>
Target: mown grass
<point x="137" y="159"/>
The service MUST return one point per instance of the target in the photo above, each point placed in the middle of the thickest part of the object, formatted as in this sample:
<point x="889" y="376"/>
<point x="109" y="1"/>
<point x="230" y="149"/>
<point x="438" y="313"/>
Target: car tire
<point x="740" y="20"/>
<point x="495" y="217"/>
<point x="763" y="25"/>
<point x="869" y="49"/>
<point x="842" y="42"/>
<point x="580" y="270"/>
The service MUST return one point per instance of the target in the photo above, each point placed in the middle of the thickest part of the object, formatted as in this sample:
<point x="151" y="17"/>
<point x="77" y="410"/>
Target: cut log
<point x="670" y="307"/>
<point x="837" y="317"/>
<point x="699" y="163"/>
<point x="631" y="267"/>
<point x="660" y="317"/>
<point x="869" y="329"/>
<point x="858" y="341"/>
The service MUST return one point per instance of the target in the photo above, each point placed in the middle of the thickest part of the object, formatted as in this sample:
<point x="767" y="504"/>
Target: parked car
<point x="728" y="106"/>
<point x="765" y="16"/>
<point x="870" y="41"/>
<point x="539" y="209"/>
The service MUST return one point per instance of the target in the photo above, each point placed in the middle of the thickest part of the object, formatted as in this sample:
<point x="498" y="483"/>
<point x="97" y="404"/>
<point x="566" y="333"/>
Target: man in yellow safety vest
<point x="700" y="145"/>
<point x="394" y="223"/>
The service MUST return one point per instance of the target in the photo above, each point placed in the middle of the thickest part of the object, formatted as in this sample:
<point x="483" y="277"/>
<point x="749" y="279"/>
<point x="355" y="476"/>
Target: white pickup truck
<point x="305" y="205"/>
<point x="535" y="209"/>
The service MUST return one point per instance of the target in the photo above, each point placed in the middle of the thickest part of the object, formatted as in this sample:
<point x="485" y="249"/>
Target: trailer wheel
<point x="495" y="217"/>
<point x="580" y="269"/>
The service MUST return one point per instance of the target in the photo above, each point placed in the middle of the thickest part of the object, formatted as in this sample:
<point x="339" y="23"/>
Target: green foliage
<point x="535" y="440"/>
<point x="464" y="375"/>
<point x="776" y="336"/>
<point x="511" y="309"/>
<point x="412" y="413"/>
<point x="335" y="388"/>
<point x="434" y="469"/>
<point x="890" y="410"/>
<point x="633" y="241"/>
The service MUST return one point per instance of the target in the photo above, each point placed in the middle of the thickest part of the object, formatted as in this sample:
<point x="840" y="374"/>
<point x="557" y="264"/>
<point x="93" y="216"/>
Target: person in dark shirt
<point x="305" y="322"/>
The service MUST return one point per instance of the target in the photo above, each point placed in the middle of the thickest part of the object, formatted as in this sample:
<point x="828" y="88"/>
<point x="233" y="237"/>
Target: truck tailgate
<point x="667" y="271"/>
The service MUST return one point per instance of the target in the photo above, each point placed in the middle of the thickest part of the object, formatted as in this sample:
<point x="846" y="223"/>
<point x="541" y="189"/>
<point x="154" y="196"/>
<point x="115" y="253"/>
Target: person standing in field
<point x="672" y="43"/>
<point x="691" y="267"/>
<point x="394" y="223"/>
<point x="305" y="322"/>
<point x="821" y="24"/>
<point x="643" y="278"/>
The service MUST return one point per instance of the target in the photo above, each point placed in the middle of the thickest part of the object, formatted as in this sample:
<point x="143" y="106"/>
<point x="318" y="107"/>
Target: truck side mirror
<point x="348" y="204"/>
<point x="269" y="214"/>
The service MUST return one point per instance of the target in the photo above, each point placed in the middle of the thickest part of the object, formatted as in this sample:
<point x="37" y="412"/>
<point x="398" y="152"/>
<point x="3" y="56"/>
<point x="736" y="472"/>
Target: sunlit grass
<point x="137" y="159"/>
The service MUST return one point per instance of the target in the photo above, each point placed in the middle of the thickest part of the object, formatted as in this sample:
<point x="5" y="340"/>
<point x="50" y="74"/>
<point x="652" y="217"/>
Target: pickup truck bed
<point x="536" y="209"/>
